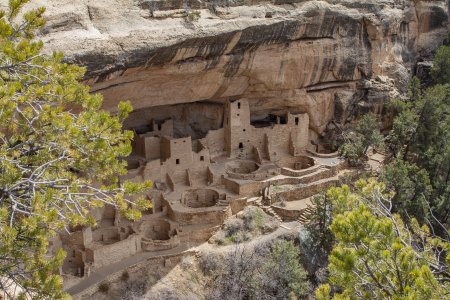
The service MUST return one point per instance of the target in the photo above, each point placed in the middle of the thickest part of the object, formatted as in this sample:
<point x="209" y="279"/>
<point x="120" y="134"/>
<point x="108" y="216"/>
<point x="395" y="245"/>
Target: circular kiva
<point x="297" y="163"/>
<point x="241" y="166"/>
<point x="198" y="198"/>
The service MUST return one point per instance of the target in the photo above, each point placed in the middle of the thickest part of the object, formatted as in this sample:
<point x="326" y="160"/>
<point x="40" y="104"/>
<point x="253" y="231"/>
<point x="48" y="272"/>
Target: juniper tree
<point x="420" y="144"/>
<point x="357" y="141"/>
<point x="59" y="156"/>
<point x="378" y="256"/>
<point x="441" y="65"/>
<point x="412" y="188"/>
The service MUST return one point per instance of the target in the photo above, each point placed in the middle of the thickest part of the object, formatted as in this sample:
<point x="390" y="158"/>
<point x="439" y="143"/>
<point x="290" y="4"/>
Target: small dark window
<point x="238" y="115"/>
<point x="239" y="105"/>
<point x="177" y="161"/>
<point x="202" y="158"/>
<point x="184" y="141"/>
<point x="159" y="126"/>
<point x="243" y="129"/>
<point x="241" y="146"/>
<point x="296" y="121"/>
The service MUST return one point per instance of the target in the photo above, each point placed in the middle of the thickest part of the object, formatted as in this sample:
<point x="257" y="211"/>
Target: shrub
<point x="125" y="276"/>
<point x="252" y="273"/>
<point x="103" y="287"/>
<point x="193" y="15"/>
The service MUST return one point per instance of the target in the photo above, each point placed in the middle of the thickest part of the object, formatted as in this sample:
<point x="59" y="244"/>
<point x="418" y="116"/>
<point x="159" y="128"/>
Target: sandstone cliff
<point x="326" y="58"/>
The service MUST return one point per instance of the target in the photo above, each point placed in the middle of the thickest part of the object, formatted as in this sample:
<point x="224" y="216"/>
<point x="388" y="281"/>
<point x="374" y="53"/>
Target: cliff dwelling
<point x="202" y="179"/>
<point x="231" y="111"/>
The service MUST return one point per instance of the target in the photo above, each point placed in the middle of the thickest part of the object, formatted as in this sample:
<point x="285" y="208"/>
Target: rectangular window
<point x="177" y="161"/>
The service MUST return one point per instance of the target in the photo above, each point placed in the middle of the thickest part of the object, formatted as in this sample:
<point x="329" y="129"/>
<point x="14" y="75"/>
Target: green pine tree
<point x="59" y="156"/>
<point x="441" y="65"/>
<point x="420" y="144"/>
<point x="376" y="256"/>
<point x="357" y="141"/>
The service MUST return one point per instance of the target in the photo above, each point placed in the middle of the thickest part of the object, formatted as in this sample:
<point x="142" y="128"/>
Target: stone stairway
<point x="304" y="218"/>
<point x="267" y="209"/>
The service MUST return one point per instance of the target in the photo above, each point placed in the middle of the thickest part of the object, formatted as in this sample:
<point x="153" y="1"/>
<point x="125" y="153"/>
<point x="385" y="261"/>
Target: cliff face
<point x="323" y="58"/>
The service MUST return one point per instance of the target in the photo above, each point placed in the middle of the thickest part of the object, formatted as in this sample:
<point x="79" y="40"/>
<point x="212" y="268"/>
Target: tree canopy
<point x="377" y="256"/>
<point x="441" y="65"/>
<point x="419" y="141"/>
<point x="59" y="156"/>
<point x="391" y="238"/>
<point x="357" y="141"/>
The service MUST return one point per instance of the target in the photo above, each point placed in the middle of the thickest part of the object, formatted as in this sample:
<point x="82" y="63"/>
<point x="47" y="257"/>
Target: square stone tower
<point x="237" y="128"/>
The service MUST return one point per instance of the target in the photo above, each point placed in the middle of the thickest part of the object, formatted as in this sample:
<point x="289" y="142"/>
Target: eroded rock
<point x="278" y="56"/>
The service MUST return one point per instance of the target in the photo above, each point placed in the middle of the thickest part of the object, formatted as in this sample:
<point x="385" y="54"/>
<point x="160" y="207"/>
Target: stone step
<point x="271" y="212"/>
<point x="223" y="203"/>
<point x="302" y="221"/>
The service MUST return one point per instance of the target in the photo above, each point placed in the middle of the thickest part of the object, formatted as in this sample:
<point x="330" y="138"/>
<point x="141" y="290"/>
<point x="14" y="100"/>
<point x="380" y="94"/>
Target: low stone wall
<point x="101" y="255"/>
<point x="189" y="217"/>
<point x="287" y="215"/>
<point x="251" y="188"/>
<point x="237" y="205"/>
<point x="303" y="192"/>
<point x="318" y="176"/>
<point x="251" y="176"/>
<point x="324" y="155"/>
<point x="230" y="185"/>
<point x="135" y="271"/>
<point x="199" y="235"/>
<point x="298" y="173"/>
